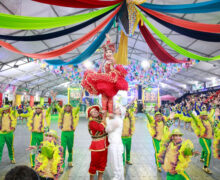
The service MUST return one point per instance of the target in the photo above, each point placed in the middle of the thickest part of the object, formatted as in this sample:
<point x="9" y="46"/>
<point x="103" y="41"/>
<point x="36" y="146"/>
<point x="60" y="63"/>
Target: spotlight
<point x="88" y="64"/>
<point x="145" y="64"/>
<point x="163" y="85"/>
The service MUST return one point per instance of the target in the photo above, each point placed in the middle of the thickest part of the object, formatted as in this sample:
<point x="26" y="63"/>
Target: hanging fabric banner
<point x="49" y="100"/>
<point x="80" y="3"/>
<point x="156" y="48"/>
<point x="66" y="48"/>
<point x="31" y="101"/>
<point x="88" y="52"/>
<point x="1" y="99"/>
<point x="211" y="28"/>
<point x="123" y="19"/>
<point x="200" y="35"/>
<point x="175" y="46"/>
<point x="55" y="34"/>
<point x="122" y="55"/>
<point x="18" y="100"/>
<point x="41" y="101"/>
<point x="201" y="7"/>
<point x="28" y="23"/>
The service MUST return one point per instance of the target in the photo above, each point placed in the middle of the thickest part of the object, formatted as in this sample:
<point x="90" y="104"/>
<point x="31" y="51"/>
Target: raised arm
<point x="59" y="109"/>
<point x="150" y="118"/>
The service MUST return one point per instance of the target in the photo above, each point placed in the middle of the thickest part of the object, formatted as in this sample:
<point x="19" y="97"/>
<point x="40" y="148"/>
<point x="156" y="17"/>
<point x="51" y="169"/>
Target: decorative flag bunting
<point x="156" y="73"/>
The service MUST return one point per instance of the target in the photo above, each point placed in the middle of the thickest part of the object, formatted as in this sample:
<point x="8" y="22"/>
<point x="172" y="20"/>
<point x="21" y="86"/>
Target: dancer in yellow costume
<point x="203" y="128"/>
<point x="49" y="158"/>
<point x="38" y="120"/>
<point x="156" y="127"/>
<point x="68" y="120"/>
<point x="175" y="155"/>
<point x="8" y="121"/>
<point x="127" y="132"/>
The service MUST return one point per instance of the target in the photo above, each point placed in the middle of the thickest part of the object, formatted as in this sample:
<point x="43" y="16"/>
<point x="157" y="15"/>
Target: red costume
<point x="107" y="81"/>
<point x="99" y="143"/>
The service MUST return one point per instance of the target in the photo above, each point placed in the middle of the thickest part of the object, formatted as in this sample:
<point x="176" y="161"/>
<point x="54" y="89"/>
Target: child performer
<point x="99" y="144"/>
<point x="49" y="159"/>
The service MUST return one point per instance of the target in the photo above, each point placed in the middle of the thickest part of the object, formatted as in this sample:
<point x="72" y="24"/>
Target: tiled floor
<point x="143" y="167"/>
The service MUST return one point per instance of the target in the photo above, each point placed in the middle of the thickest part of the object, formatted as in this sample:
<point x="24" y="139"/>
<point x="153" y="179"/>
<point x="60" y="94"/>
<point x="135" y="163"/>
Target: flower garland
<point x="216" y="142"/>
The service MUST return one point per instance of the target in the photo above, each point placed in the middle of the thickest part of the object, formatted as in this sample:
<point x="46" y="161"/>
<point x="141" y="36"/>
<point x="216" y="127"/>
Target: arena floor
<point x="142" y="155"/>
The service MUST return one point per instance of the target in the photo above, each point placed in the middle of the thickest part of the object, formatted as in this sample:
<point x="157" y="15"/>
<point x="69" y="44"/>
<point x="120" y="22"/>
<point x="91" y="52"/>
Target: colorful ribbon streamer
<point x="156" y="48"/>
<point x="174" y="46"/>
<point x="122" y="55"/>
<point x="55" y="34"/>
<point x="211" y="28"/>
<point x="202" y="7"/>
<point x="66" y="48"/>
<point x="204" y="36"/>
<point x="80" y="3"/>
<point x="123" y="19"/>
<point x="27" y="23"/>
<point x="88" y="52"/>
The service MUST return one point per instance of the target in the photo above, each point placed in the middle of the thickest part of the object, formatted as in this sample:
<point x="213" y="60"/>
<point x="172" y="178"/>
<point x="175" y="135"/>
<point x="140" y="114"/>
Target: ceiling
<point x="17" y="70"/>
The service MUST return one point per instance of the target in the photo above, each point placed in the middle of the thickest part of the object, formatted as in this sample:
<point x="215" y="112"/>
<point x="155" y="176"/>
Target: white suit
<point x="115" y="150"/>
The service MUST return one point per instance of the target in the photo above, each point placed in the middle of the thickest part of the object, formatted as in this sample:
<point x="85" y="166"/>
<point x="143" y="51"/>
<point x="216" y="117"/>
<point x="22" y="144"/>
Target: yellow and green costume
<point x="8" y="123"/>
<point x="203" y="129"/>
<point x="175" y="157"/>
<point x="36" y="123"/>
<point x="186" y="116"/>
<point x="67" y="123"/>
<point x="156" y="129"/>
<point x="127" y="132"/>
<point x="216" y="142"/>
<point x="50" y="159"/>
<point x="178" y="112"/>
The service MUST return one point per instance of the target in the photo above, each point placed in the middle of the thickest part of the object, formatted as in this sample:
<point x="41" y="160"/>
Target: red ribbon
<point x="211" y="28"/>
<point x="80" y="3"/>
<point x="65" y="49"/>
<point x="156" y="48"/>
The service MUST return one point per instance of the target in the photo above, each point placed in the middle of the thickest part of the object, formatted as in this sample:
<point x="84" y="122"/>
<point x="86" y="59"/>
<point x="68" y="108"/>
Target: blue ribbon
<point x="202" y="7"/>
<point x="88" y="52"/>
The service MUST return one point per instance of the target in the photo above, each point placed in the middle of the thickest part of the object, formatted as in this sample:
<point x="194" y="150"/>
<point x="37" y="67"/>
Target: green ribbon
<point x="9" y="21"/>
<point x="174" y="46"/>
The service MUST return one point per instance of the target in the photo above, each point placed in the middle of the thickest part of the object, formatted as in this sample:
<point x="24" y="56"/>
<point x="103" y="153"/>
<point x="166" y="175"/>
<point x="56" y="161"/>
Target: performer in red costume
<point x="108" y="80"/>
<point x="99" y="142"/>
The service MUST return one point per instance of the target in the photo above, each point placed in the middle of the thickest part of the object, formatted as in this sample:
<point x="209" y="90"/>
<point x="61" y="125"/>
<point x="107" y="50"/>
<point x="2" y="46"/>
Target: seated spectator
<point x="21" y="173"/>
